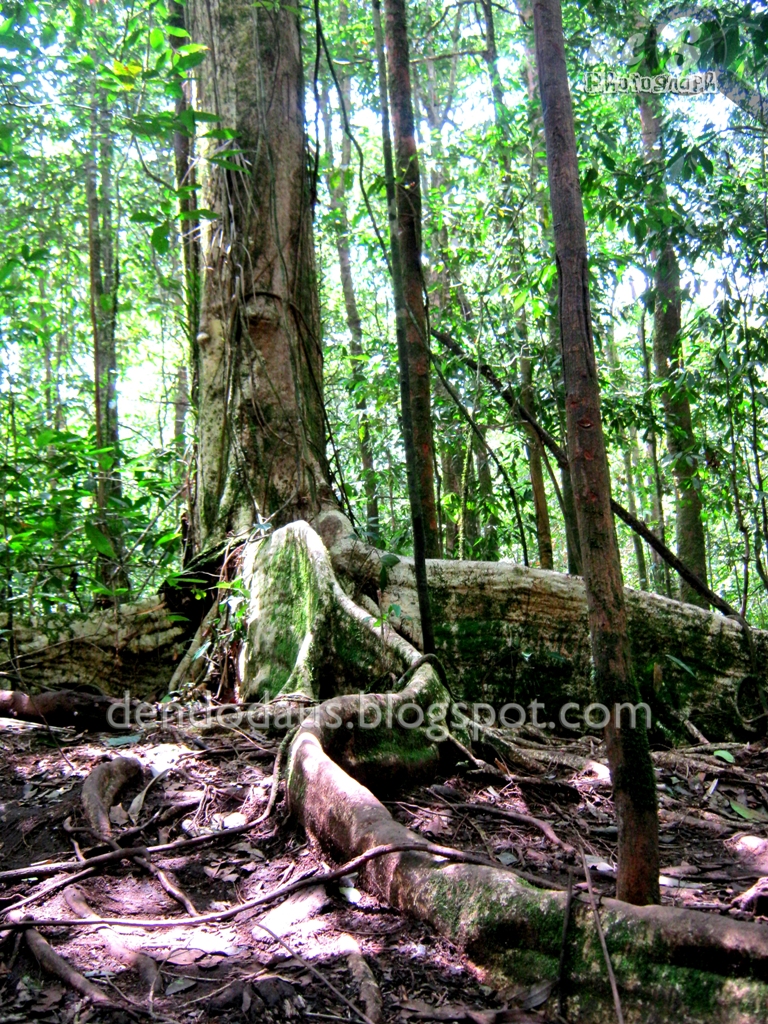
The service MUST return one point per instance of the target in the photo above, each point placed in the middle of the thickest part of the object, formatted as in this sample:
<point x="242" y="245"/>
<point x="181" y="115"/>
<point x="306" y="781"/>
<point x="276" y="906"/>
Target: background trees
<point x="113" y="109"/>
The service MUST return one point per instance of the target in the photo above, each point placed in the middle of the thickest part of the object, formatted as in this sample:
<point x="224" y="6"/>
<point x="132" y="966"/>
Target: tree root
<point x="57" y="707"/>
<point x="100" y="789"/>
<point x="50" y="961"/>
<point x="144" y="964"/>
<point x="705" y="968"/>
<point x="515" y="930"/>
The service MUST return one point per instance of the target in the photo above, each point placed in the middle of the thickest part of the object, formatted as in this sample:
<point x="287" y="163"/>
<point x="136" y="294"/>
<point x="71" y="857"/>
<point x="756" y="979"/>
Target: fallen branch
<point x="124" y="853"/>
<point x="603" y="946"/>
<point x="519" y="818"/>
<point x="57" y="707"/>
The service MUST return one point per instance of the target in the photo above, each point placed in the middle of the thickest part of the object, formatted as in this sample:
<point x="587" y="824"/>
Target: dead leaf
<point x="118" y="815"/>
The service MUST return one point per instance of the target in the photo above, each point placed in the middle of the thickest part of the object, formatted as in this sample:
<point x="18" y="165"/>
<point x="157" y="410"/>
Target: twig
<point x="563" y="947"/>
<point x="339" y="995"/>
<point x="601" y="936"/>
<point x="126" y="853"/>
<point x="519" y="818"/>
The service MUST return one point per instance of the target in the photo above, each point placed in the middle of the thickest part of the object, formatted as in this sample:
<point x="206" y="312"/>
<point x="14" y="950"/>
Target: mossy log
<point x="510" y="633"/>
<point x="131" y="646"/>
<point x="670" y="964"/>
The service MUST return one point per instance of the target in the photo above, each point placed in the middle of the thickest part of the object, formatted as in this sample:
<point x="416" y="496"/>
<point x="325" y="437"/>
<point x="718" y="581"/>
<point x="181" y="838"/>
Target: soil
<point x="714" y="837"/>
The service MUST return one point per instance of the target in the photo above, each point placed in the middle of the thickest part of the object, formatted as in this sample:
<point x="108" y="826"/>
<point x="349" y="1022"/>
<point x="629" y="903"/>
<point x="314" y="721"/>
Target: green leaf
<point x="157" y="39"/>
<point x="747" y="812"/>
<point x="160" y="242"/>
<point x="682" y="665"/>
<point x="724" y="755"/>
<point x="99" y="541"/>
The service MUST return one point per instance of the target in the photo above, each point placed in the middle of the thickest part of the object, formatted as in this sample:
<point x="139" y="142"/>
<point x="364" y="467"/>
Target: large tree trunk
<point x="408" y="196"/>
<point x="628" y="754"/>
<point x="259" y="358"/>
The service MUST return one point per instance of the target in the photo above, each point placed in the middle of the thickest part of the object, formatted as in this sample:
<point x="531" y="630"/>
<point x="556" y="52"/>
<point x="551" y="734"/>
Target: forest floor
<point x="714" y="841"/>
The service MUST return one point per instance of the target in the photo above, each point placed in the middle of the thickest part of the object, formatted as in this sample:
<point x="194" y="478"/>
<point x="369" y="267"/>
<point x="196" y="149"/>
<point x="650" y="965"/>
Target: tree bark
<point x="543" y="527"/>
<point x="408" y="196"/>
<point x="260" y="453"/>
<point x="628" y="754"/>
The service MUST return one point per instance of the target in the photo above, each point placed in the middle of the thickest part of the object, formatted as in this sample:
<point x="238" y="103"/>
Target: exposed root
<point x="50" y="961"/>
<point x="57" y="707"/>
<point x="100" y="789"/>
<point x="515" y="930"/>
<point x="367" y="986"/>
<point x="144" y="964"/>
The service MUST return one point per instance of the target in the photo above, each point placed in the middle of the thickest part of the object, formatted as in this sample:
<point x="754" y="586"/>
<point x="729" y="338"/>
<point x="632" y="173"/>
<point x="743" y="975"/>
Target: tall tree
<point x="336" y="180"/>
<point x="668" y="352"/>
<point x="408" y="198"/>
<point x="104" y="284"/>
<point x="632" y="773"/>
<point x="260" y="451"/>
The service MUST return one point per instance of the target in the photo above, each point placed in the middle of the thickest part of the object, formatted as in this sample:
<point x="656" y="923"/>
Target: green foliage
<point x="489" y="273"/>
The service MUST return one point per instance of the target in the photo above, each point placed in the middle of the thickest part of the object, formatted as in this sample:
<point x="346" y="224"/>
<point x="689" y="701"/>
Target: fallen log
<point x="131" y="646"/>
<point x="512" y="634"/>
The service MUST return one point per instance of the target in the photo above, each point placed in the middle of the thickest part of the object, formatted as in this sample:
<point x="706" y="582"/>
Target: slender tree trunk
<point x="186" y="182"/>
<point x="260" y="416"/>
<point x="103" y="274"/>
<point x="180" y="409"/>
<point x="629" y="458"/>
<point x="543" y="528"/>
<point x="408" y="196"/>
<point x="401" y="324"/>
<point x="489" y="519"/>
<point x="628" y="753"/>
<point x="660" y="570"/>
<point x="630" y="461"/>
<point x="338" y="207"/>
<point x="667" y="355"/>
<point x="668" y="362"/>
